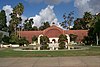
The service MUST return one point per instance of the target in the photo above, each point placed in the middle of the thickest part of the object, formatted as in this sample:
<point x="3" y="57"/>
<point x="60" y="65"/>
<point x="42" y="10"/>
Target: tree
<point x="91" y="36"/>
<point x="62" y="45"/>
<point x="3" y="21"/>
<point x="73" y="37"/>
<point x="62" y="40"/>
<point x="97" y="29"/>
<point x="1" y="35"/>
<point x="67" y="20"/>
<point x="41" y="28"/>
<point x="16" y="17"/>
<point x="44" y="26"/>
<point x="43" y="41"/>
<point x="5" y="39"/>
<point x="34" y="39"/>
<point x="28" y="24"/>
<point x="87" y="17"/>
<point x="84" y="23"/>
<point x="34" y="28"/>
<point x="22" y="41"/>
<point x="13" y="39"/>
<point x="79" y="24"/>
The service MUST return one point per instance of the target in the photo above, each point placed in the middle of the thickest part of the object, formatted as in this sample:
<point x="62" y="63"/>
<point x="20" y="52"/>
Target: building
<point x="53" y="33"/>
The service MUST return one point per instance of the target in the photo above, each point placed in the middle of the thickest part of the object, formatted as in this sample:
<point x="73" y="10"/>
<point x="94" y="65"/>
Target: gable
<point x="53" y="31"/>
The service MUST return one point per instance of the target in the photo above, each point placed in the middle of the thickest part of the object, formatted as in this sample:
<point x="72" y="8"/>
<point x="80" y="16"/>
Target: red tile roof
<point x="80" y="34"/>
<point x="53" y="31"/>
<point x="30" y="34"/>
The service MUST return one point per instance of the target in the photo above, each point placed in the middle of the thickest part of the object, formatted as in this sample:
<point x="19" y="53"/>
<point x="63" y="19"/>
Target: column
<point x="68" y="38"/>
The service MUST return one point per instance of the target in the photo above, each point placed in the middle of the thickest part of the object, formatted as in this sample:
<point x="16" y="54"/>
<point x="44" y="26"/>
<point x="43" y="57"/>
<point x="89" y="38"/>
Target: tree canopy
<point x="16" y="17"/>
<point x="67" y="20"/>
<point x="3" y="21"/>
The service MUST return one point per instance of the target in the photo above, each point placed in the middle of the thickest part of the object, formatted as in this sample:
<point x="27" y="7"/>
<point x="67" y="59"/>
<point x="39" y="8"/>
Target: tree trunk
<point x="97" y="38"/>
<point x="15" y="31"/>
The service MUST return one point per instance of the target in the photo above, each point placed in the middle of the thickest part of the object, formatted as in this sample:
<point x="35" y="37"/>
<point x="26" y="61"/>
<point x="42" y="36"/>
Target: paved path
<point x="87" y="61"/>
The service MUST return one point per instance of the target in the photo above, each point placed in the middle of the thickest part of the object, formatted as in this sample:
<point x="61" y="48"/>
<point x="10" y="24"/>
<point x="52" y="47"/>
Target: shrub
<point x="62" y="45"/>
<point x="44" y="40"/>
<point x="34" y="39"/>
<point x="13" y="39"/>
<point x="5" y="39"/>
<point x="23" y="41"/>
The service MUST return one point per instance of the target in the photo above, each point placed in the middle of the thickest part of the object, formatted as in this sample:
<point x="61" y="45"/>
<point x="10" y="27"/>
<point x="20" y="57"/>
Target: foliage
<point x="43" y="41"/>
<point x="97" y="25"/>
<point x="62" y="38"/>
<point x="34" y="39"/>
<point x="28" y="24"/>
<point x="23" y="41"/>
<point x="94" y="26"/>
<point x="1" y="35"/>
<point x="80" y="24"/>
<point x="34" y="28"/>
<point x="67" y="20"/>
<point x="85" y="22"/>
<point x="16" y="17"/>
<point x="41" y="28"/>
<point x="44" y="26"/>
<point x="18" y="9"/>
<point x="62" y="45"/>
<point x="73" y="37"/>
<point x="87" y="16"/>
<point x="14" y="39"/>
<point x="5" y="39"/>
<point x="3" y="21"/>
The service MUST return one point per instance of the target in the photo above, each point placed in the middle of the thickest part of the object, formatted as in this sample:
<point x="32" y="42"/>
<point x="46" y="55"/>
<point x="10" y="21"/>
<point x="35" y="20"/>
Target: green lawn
<point x="92" y="51"/>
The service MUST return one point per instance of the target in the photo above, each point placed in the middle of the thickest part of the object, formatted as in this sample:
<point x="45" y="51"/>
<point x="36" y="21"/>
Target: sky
<point x="50" y="10"/>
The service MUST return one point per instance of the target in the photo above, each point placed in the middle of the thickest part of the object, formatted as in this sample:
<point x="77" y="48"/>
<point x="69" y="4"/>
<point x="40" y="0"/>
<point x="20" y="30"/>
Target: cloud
<point x="23" y="18"/>
<point x="46" y="14"/>
<point x="92" y="6"/>
<point x="49" y="2"/>
<point x="8" y="10"/>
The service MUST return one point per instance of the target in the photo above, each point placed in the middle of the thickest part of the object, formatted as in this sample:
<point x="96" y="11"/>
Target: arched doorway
<point x="53" y="41"/>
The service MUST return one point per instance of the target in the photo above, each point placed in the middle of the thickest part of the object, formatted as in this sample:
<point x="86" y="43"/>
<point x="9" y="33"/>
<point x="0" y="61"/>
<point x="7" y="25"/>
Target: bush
<point x="5" y="39"/>
<point x="1" y="35"/>
<point x="62" y="38"/>
<point x="23" y="41"/>
<point x="13" y="39"/>
<point x="44" y="40"/>
<point x="34" y="39"/>
<point x="44" y="46"/>
<point x="62" y="45"/>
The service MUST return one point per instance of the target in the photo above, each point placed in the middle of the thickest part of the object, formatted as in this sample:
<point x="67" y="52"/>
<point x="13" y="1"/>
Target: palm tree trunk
<point x="15" y="29"/>
<point x="97" y="38"/>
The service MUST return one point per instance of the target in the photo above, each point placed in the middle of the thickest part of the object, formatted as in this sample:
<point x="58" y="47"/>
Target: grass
<point x="92" y="51"/>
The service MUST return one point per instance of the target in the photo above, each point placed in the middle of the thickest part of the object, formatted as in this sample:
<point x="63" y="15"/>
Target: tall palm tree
<point x="16" y="17"/>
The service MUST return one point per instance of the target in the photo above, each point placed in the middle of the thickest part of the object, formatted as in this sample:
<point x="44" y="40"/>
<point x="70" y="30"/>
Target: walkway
<point x="86" y="61"/>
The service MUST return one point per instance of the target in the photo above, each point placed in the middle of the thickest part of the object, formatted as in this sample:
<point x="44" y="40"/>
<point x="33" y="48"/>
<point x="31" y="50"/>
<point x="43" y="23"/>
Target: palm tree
<point x="16" y="17"/>
<point x="97" y="27"/>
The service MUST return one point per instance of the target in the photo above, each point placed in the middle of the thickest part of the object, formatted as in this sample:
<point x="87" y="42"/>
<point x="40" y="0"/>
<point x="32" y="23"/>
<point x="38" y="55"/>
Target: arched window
<point x="53" y="40"/>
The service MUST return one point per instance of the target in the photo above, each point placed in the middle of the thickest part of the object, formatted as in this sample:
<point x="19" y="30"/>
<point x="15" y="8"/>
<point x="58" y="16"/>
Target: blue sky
<point x="34" y="7"/>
